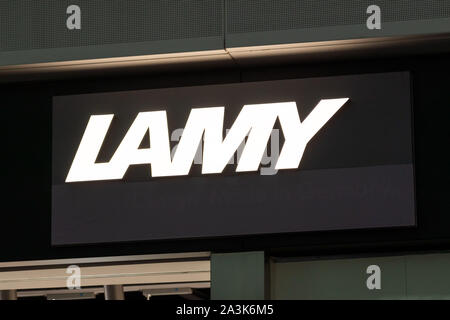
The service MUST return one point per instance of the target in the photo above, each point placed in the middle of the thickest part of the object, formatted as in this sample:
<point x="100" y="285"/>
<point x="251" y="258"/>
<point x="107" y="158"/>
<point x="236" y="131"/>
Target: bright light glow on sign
<point x="256" y="121"/>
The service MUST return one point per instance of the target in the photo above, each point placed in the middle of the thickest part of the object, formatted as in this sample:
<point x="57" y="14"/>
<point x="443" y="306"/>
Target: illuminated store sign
<point x="233" y="159"/>
<point x="255" y="121"/>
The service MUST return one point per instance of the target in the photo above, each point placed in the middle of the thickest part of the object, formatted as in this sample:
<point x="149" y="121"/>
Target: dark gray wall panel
<point x="266" y="22"/>
<point x="422" y="276"/>
<point x="35" y="31"/>
<point x="31" y="31"/>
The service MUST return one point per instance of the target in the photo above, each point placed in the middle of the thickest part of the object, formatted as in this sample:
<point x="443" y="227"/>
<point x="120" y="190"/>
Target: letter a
<point x="74" y="20"/>
<point x="374" y="21"/>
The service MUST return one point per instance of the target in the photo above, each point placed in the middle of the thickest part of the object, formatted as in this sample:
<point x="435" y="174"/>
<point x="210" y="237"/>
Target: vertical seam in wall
<point x="266" y="276"/>
<point x="224" y="26"/>
<point x="406" y="275"/>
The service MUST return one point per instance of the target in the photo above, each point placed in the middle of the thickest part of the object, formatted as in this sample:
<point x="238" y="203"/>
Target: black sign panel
<point x="356" y="171"/>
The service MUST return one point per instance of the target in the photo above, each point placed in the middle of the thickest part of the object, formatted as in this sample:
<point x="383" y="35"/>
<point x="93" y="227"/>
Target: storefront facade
<point x="352" y="206"/>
